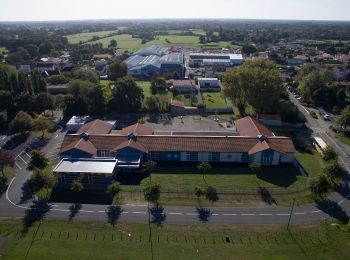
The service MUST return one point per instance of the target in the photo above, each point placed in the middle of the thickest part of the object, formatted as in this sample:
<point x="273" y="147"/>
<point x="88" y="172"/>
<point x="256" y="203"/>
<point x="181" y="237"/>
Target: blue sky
<point x="29" y="10"/>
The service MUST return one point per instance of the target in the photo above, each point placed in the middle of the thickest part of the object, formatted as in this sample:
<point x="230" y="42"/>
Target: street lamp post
<point x="291" y="212"/>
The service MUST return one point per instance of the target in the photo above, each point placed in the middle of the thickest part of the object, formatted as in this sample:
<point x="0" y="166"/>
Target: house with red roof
<point x="133" y="145"/>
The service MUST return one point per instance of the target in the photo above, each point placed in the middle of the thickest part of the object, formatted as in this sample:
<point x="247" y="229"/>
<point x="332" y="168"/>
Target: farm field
<point x="76" y="38"/>
<point x="125" y="42"/>
<point x="98" y="240"/>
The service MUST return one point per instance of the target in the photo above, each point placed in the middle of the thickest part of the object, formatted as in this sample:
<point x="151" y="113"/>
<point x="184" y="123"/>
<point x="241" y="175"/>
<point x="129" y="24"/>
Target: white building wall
<point x="257" y="158"/>
<point x="183" y="157"/>
<point x="287" y="158"/>
<point x="203" y="157"/>
<point x="276" y="158"/>
<point x="230" y="157"/>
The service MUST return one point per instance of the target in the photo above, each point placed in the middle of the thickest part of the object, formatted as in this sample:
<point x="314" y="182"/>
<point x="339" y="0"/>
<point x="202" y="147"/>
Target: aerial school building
<point x="97" y="157"/>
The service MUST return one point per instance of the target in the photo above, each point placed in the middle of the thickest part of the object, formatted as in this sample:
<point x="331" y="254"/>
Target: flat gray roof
<point x="86" y="166"/>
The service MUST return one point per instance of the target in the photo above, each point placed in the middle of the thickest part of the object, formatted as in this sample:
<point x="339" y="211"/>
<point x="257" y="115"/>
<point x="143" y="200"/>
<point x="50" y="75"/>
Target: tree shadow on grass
<point x="281" y="179"/>
<point x="203" y="214"/>
<point x="343" y="188"/>
<point x="27" y="193"/>
<point x="113" y="214"/>
<point x="266" y="196"/>
<point x="74" y="210"/>
<point x="36" y="212"/>
<point x="158" y="215"/>
<point x="211" y="194"/>
<point x="334" y="210"/>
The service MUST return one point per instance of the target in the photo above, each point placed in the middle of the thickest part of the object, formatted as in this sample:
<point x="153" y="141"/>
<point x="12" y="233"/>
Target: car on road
<point x="327" y="117"/>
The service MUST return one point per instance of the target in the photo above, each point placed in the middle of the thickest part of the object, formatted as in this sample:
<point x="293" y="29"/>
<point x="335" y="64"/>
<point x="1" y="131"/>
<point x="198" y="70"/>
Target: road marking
<point x="138" y="212"/>
<point x="315" y="211"/>
<point x="22" y="159"/>
<point x="282" y="214"/>
<point x="192" y="214"/>
<point x="101" y="211"/>
<point x="265" y="214"/>
<point x="18" y="166"/>
<point x="174" y="213"/>
<point x="88" y="211"/>
<point x="230" y="214"/>
<point x="247" y="214"/>
<point x="125" y="212"/>
<point x="307" y="111"/>
<point x="215" y="214"/>
<point x="56" y="136"/>
<point x="53" y="205"/>
<point x="301" y="213"/>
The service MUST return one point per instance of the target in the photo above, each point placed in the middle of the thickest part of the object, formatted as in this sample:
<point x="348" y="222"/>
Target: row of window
<point x="194" y="156"/>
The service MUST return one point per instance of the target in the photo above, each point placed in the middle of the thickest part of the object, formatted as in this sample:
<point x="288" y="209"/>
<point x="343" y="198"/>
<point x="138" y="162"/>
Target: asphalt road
<point x="18" y="201"/>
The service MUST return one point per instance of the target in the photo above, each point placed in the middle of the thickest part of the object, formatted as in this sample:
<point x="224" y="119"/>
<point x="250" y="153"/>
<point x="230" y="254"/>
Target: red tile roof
<point x="80" y="144"/>
<point x="151" y="143"/>
<point x="266" y="145"/>
<point x="96" y="127"/>
<point x="140" y="129"/>
<point x="131" y="143"/>
<point x="249" y="126"/>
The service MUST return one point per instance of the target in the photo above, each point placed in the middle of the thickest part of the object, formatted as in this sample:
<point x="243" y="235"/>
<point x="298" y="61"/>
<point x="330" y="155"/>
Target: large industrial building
<point x="96" y="152"/>
<point x="155" y="60"/>
<point x="215" y="59"/>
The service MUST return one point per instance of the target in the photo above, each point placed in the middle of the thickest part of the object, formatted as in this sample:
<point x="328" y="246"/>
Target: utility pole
<point x="291" y="212"/>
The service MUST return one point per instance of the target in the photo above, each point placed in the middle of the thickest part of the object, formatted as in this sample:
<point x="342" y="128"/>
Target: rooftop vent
<point x="84" y="135"/>
<point x="262" y="138"/>
<point x="132" y="136"/>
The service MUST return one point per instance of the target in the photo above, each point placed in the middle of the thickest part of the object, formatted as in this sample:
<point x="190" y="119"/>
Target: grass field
<point x="214" y="100"/>
<point x="76" y="38"/>
<point x="125" y="42"/>
<point x="343" y="138"/>
<point x="187" y="99"/>
<point x="312" y="163"/>
<point x="174" y="39"/>
<point x="225" y="180"/>
<point x="93" y="240"/>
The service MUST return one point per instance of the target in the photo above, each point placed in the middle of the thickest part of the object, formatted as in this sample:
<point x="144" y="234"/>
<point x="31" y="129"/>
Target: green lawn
<point x="107" y="92"/>
<point x="76" y="38"/>
<point x="125" y="42"/>
<point x="187" y="99"/>
<point x="98" y="240"/>
<point x="174" y="39"/>
<point x="214" y="100"/>
<point x="226" y="180"/>
<point x="343" y="138"/>
<point x="146" y="86"/>
<point x="312" y="163"/>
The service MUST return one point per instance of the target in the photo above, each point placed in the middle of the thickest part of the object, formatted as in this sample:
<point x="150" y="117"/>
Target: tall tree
<point x="126" y="96"/>
<point x="253" y="81"/>
<point x="117" y="70"/>
<point x="42" y="124"/>
<point x="344" y="119"/>
<point x="38" y="82"/>
<point x="158" y="85"/>
<point x="21" y="123"/>
<point x="37" y="160"/>
<point x="6" y="159"/>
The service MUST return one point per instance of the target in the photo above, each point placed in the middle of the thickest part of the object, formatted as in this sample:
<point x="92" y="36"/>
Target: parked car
<point x="327" y="117"/>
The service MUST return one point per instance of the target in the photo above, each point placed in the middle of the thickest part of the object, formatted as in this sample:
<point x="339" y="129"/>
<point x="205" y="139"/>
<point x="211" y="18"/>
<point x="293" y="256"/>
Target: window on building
<point x="267" y="157"/>
<point x="215" y="157"/>
<point x="229" y="156"/>
<point x="192" y="156"/>
<point x="245" y="157"/>
<point x="155" y="156"/>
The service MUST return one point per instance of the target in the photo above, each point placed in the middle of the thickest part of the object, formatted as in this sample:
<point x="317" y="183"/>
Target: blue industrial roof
<point x="172" y="58"/>
<point x="153" y="50"/>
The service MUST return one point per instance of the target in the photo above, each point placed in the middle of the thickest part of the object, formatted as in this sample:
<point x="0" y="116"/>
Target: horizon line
<point x="169" y="19"/>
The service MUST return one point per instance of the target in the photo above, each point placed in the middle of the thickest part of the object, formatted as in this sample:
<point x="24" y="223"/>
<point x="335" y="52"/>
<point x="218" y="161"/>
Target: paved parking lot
<point x="189" y="123"/>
